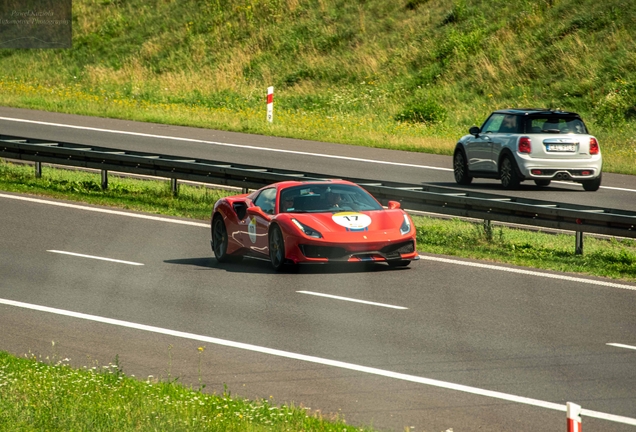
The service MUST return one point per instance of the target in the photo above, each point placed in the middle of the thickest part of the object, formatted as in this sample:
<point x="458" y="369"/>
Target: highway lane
<point x="617" y="191"/>
<point x="520" y="334"/>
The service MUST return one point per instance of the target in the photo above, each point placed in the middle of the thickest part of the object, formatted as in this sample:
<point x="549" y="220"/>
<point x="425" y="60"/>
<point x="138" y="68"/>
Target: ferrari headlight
<point x="309" y="231"/>
<point x="406" y="226"/>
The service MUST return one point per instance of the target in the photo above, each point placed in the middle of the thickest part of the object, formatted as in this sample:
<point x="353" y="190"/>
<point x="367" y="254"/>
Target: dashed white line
<point x="323" y="361"/>
<point x="351" y="299"/>
<point x="622" y="346"/>
<point x="95" y="257"/>
<point x="423" y="257"/>
<point x="145" y="135"/>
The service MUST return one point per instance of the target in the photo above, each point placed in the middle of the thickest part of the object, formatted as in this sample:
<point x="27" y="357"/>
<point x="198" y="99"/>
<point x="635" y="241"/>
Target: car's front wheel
<point x="592" y="185"/>
<point x="460" y="169"/>
<point x="276" y="248"/>
<point x="508" y="173"/>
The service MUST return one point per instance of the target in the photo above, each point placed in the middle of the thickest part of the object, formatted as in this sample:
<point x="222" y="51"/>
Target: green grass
<point x="410" y="74"/>
<point x="607" y="258"/>
<point x="51" y="396"/>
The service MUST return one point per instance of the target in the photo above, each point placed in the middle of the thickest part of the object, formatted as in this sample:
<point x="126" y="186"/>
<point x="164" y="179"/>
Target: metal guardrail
<point x="489" y="207"/>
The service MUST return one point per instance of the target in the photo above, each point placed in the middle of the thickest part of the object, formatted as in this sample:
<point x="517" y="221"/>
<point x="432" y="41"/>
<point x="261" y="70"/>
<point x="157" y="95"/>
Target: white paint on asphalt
<point x="529" y="272"/>
<point x="223" y="144"/>
<point x="103" y="210"/>
<point x="145" y="135"/>
<point x="622" y="346"/>
<point x="350" y="299"/>
<point x="322" y="361"/>
<point x="95" y="257"/>
<point x="423" y="257"/>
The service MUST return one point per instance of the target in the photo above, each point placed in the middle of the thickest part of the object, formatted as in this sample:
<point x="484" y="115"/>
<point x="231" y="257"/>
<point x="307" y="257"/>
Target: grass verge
<point x="612" y="258"/>
<point x="55" y="397"/>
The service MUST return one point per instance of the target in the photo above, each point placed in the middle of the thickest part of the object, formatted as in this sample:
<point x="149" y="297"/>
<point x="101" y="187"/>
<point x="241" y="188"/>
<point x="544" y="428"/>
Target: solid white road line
<point x="529" y="272"/>
<point x="351" y="299"/>
<point x="103" y="210"/>
<point x="622" y="346"/>
<point x="95" y="257"/>
<point x="322" y="361"/>
<point x="115" y="131"/>
<point x="423" y="257"/>
<point x="145" y="135"/>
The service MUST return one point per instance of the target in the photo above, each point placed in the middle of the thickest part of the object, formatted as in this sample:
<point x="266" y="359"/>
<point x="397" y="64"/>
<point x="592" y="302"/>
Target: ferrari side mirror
<point x="394" y="205"/>
<point x="257" y="211"/>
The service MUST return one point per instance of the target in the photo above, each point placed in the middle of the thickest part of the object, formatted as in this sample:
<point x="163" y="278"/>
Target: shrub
<point x="423" y="112"/>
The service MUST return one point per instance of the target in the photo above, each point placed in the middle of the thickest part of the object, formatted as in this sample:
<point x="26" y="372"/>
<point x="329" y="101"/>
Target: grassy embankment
<point x="410" y="74"/>
<point x="49" y="395"/>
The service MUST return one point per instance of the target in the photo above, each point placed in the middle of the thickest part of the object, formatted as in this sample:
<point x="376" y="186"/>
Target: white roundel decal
<point x="352" y="221"/>
<point x="251" y="229"/>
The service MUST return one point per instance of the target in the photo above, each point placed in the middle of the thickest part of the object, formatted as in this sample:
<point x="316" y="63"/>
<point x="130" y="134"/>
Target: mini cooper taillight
<point x="594" y="148"/>
<point x="525" y="145"/>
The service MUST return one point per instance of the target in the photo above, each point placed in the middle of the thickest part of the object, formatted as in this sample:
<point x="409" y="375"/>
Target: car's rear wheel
<point x="508" y="173"/>
<point x="276" y="248"/>
<point x="219" y="239"/>
<point x="592" y="185"/>
<point x="460" y="169"/>
<point x="542" y="182"/>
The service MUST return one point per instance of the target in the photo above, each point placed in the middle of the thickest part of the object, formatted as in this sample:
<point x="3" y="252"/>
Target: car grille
<point x="312" y="251"/>
<point x="330" y="252"/>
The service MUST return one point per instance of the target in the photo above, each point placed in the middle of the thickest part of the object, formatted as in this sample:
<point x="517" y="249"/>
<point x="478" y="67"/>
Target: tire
<point x="399" y="263"/>
<point x="276" y="248"/>
<point x="220" y="241"/>
<point x="460" y="169"/>
<point x="542" y="183"/>
<point x="592" y="185"/>
<point x="508" y="173"/>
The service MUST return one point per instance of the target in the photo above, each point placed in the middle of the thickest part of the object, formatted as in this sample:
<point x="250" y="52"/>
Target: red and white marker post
<point x="270" y="104"/>
<point x="574" y="417"/>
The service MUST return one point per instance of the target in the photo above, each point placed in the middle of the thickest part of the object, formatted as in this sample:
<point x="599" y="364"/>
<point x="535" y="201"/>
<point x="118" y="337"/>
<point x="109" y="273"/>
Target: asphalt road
<point x="537" y="339"/>
<point x="617" y="191"/>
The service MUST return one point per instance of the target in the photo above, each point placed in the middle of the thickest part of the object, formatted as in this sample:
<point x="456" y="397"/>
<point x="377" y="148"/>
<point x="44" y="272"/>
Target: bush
<point x="424" y="112"/>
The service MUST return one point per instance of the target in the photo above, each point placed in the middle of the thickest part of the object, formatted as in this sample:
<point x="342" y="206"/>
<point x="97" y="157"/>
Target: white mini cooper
<point x="537" y="144"/>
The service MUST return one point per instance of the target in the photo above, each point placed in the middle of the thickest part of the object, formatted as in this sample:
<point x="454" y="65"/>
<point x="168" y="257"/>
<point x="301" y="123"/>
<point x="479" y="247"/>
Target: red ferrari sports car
<point x="295" y="222"/>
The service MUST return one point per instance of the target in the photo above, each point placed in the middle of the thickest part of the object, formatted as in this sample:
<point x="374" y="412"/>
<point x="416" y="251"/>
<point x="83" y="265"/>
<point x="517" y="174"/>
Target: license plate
<point x="560" y="147"/>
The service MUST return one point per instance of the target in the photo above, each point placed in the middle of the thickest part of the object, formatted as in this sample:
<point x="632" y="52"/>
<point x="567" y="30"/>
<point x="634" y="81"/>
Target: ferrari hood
<point x="340" y="225"/>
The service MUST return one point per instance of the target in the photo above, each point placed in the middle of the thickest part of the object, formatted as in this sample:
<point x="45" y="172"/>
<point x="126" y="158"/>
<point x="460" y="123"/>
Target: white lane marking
<point x="95" y="257"/>
<point x="622" y="346"/>
<point x="319" y="360"/>
<point x="350" y="299"/>
<point x="429" y="258"/>
<point x="530" y="272"/>
<point x="114" y="131"/>
<point x="102" y="210"/>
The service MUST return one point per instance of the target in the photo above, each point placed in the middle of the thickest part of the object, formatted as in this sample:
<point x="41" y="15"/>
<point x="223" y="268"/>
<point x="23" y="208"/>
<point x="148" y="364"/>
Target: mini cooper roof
<point x="529" y="111"/>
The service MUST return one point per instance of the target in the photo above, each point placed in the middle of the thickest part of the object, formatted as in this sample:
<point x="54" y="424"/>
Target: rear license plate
<point x="560" y="147"/>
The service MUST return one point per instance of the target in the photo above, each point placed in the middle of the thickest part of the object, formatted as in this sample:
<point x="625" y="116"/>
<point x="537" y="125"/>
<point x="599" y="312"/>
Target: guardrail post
<point x="38" y="170"/>
<point x="488" y="230"/>
<point x="245" y="190"/>
<point x="174" y="187"/>
<point x="104" y="179"/>
<point x="579" y="243"/>
<point x="573" y="417"/>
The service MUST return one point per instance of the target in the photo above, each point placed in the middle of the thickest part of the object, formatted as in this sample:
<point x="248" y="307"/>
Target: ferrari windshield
<point x="327" y="197"/>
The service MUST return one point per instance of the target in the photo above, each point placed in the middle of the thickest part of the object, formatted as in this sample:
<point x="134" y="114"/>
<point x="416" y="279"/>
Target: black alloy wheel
<point x="276" y="248"/>
<point x="219" y="239"/>
<point x="508" y="172"/>
<point x="592" y="185"/>
<point x="460" y="169"/>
